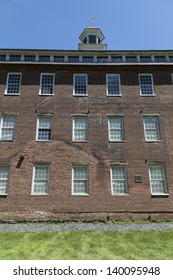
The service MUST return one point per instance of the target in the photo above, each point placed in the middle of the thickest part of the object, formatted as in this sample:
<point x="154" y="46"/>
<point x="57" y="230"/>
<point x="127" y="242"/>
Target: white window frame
<point x="10" y="128"/>
<point x="82" y="180"/>
<point x="80" y="129"/>
<point x="165" y="191"/>
<point x="121" y="130"/>
<point x="157" y="130"/>
<point x="4" y="179"/>
<point x="7" y="83"/>
<point x="41" y="180"/>
<point x="107" y="84"/>
<point x="38" y="127"/>
<point x="74" y="85"/>
<point x="172" y="78"/>
<point x="125" y="179"/>
<point x="152" y="85"/>
<point x="49" y="85"/>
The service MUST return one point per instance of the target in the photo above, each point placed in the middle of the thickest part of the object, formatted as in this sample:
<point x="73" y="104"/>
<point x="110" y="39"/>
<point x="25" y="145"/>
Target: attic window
<point x="92" y="39"/>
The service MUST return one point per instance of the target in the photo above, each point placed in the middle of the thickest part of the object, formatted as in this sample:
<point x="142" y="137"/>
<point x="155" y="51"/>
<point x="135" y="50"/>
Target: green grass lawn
<point x="87" y="245"/>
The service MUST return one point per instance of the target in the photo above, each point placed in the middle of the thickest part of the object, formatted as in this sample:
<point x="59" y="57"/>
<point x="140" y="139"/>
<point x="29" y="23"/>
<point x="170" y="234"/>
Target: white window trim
<point x="80" y="74"/>
<point x="158" y="128"/>
<point x="119" y="82"/>
<point x="1" y="127"/>
<point x="33" y="180"/>
<point x="152" y="80"/>
<point x="165" y="181"/>
<point x="6" y="87"/>
<point x="48" y="74"/>
<point x="122" y="128"/>
<point x="172" y="78"/>
<point x="126" y="181"/>
<point x="7" y="166"/>
<point x="37" y="128"/>
<point x="73" y="128"/>
<point x="80" y="194"/>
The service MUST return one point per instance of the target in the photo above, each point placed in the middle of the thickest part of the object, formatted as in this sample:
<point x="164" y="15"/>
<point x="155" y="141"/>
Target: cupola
<point x="91" y="39"/>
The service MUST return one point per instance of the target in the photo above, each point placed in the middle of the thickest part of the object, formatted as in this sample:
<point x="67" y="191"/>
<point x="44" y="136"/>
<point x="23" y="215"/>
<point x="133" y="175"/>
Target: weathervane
<point x="92" y="20"/>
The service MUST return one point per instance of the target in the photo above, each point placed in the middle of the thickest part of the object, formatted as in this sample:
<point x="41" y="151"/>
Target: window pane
<point x="8" y="128"/>
<point x="113" y="85"/>
<point x="119" y="180"/>
<point x="4" y="178"/>
<point x="80" y="129"/>
<point x="80" y="86"/>
<point x="80" y="179"/>
<point x="157" y="179"/>
<point x="116" y="129"/>
<point x="41" y="179"/>
<point x="13" y="84"/>
<point x="47" y="84"/>
<point x="146" y="85"/>
<point x="44" y="128"/>
<point x="151" y="129"/>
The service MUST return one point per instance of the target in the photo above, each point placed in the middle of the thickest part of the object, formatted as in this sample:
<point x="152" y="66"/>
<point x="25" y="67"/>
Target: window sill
<point x="148" y="95"/>
<point x="160" y="195"/>
<point x="119" y="141"/>
<point x="3" y="194"/>
<point x="80" y="194"/>
<point x="7" y="141"/>
<point x="41" y="194"/>
<point x="11" y="94"/>
<point x="120" y="194"/>
<point x="80" y="95"/>
<point x="155" y="141"/>
<point x="46" y="94"/>
<point x="48" y="141"/>
<point x="80" y="141"/>
<point x="114" y="95"/>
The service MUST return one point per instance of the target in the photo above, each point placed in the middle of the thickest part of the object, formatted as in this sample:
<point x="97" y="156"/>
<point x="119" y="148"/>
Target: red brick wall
<point x="98" y="153"/>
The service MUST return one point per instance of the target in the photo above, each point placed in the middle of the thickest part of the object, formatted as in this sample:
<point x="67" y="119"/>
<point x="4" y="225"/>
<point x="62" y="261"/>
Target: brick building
<point x="86" y="134"/>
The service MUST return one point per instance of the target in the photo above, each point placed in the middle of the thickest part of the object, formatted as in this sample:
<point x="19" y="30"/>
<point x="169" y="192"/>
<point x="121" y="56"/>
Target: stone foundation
<point x="41" y="216"/>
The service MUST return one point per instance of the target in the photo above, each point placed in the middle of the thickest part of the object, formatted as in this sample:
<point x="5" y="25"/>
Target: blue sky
<point x="57" y="24"/>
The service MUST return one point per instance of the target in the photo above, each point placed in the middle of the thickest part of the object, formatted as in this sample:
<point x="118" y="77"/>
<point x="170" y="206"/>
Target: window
<point x="58" y="58"/>
<point x="146" y="84"/>
<point x="117" y="59"/>
<point x="145" y="58"/>
<point x="4" y="179"/>
<point x="44" y="128"/>
<point x="157" y="179"/>
<point x="40" y="179"/>
<point x="73" y="58"/>
<point x="44" y="58"/>
<point x="131" y="59"/>
<point x="160" y="58"/>
<point x="15" y="57"/>
<point x="88" y="59"/>
<point x="102" y="59"/>
<point x="80" y="84"/>
<point x="80" y="179"/>
<point x="113" y="84"/>
<point x="7" y="129"/>
<point x="29" y="58"/>
<point x="151" y="129"/>
<point x="80" y="128"/>
<point x="47" y="84"/>
<point x="119" y="179"/>
<point x="115" y="127"/>
<point x="2" y="57"/>
<point x="13" y="83"/>
<point x="92" y="39"/>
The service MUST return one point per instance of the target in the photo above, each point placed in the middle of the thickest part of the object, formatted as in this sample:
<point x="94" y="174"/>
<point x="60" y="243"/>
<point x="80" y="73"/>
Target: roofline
<point x="76" y="50"/>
